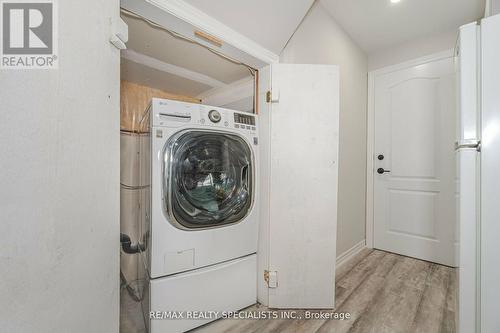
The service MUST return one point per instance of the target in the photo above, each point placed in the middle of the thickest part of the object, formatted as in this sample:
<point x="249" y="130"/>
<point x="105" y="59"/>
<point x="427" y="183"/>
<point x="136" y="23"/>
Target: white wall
<point x="59" y="194"/>
<point x="413" y="49"/>
<point x="320" y="40"/>
<point x="495" y="7"/>
<point x="491" y="7"/>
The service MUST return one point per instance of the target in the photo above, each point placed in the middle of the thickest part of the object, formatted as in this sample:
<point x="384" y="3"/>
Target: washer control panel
<point x="244" y="121"/>
<point x="175" y="114"/>
<point x="226" y="118"/>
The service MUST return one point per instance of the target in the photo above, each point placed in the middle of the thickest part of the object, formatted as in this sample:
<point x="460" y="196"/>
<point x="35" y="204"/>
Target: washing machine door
<point x="208" y="179"/>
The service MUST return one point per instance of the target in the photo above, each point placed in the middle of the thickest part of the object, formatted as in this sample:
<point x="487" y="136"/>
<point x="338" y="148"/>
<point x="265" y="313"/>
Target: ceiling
<point x="269" y="23"/>
<point x="150" y="77"/>
<point x="155" y="43"/>
<point x="375" y="24"/>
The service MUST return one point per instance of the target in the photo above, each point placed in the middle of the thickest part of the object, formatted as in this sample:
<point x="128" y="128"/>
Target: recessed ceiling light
<point x="395" y="1"/>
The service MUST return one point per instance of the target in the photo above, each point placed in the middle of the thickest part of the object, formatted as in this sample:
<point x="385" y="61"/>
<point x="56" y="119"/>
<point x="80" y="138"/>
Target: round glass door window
<point x="208" y="179"/>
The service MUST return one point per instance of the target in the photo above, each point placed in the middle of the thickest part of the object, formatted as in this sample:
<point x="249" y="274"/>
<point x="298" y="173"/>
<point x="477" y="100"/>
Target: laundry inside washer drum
<point x="211" y="175"/>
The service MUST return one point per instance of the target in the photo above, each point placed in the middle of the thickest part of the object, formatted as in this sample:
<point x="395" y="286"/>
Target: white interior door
<point x="468" y="172"/>
<point x="299" y="190"/>
<point x="414" y="161"/>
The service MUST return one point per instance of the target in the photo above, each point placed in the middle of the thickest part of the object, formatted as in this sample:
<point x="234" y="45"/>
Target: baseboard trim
<point x="349" y="254"/>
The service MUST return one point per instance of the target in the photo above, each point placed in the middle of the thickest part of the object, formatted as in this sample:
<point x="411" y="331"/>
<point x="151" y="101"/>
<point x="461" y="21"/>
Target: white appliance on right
<point x="478" y="155"/>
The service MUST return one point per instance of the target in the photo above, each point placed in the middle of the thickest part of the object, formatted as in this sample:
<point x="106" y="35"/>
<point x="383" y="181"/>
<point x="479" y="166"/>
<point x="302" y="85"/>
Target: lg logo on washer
<point x="29" y="34"/>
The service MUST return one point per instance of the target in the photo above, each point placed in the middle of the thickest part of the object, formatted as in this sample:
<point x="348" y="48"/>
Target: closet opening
<point x="162" y="63"/>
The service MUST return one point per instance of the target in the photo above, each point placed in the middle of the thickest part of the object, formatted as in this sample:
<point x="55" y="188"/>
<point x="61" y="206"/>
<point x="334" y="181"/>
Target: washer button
<point x="226" y="123"/>
<point x="236" y="126"/>
<point x="214" y="116"/>
<point x="202" y="121"/>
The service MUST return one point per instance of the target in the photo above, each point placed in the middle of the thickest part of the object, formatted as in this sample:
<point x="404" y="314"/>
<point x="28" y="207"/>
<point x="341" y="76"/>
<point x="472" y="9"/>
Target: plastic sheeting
<point x="133" y="188"/>
<point x="134" y="101"/>
<point x="134" y="185"/>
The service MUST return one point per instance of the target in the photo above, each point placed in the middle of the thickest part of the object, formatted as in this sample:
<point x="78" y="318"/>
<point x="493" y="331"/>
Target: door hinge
<point x="470" y="144"/>
<point x="119" y="34"/>
<point x="271" y="278"/>
<point x="272" y="99"/>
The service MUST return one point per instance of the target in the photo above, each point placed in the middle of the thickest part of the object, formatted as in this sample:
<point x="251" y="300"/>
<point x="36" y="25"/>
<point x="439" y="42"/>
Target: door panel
<point x="414" y="102"/>
<point x="420" y="224"/>
<point x="302" y="172"/>
<point x="414" y="198"/>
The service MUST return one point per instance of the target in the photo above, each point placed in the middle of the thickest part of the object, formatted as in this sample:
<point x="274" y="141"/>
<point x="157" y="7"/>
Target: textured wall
<point x="59" y="193"/>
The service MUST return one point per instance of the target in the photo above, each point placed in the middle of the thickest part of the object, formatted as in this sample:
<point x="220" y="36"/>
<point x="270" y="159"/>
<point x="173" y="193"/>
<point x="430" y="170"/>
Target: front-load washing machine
<point x="199" y="220"/>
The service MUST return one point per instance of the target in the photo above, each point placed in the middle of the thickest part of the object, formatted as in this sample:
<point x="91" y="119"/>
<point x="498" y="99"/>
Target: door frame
<point x="370" y="137"/>
<point x="192" y="23"/>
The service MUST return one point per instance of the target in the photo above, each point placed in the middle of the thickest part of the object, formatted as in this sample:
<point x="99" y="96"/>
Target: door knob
<point x="382" y="171"/>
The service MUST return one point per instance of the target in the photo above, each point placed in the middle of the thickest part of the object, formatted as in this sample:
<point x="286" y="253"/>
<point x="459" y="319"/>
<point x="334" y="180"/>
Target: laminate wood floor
<point x="382" y="292"/>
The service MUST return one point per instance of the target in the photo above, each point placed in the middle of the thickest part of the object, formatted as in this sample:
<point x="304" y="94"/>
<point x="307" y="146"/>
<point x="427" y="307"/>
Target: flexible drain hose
<point x="127" y="245"/>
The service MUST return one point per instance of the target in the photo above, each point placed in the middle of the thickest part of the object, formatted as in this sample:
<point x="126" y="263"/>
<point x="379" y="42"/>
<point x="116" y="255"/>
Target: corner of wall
<point x="321" y="40"/>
